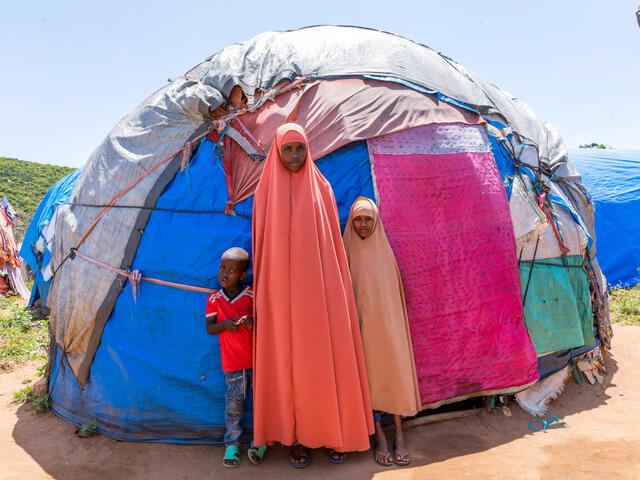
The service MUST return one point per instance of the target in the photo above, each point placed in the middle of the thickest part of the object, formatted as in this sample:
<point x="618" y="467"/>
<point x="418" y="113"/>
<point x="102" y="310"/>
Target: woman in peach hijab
<point x="383" y="322"/>
<point x="310" y="383"/>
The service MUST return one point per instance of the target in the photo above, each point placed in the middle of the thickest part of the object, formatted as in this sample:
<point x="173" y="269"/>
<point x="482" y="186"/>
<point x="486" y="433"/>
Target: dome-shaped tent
<point x="481" y="208"/>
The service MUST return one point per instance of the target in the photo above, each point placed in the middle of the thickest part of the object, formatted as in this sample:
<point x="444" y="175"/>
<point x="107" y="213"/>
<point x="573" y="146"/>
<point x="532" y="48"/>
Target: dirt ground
<point x="602" y="441"/>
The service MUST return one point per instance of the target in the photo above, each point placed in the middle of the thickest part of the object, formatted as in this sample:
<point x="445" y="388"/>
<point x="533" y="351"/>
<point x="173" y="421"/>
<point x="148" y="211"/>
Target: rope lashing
<point x="539" y="262"/>
<point x="136" y="276"/>
<point x="186" y="155"/>
<point x="229" y="210"/>
<point x="526" y="290"/>
<point x="133" y="184"/>
<point x="555" y="422"/>
<point x="158" y="209"/>
<point x="576" y="372"/>
<point x="134" y="279"/>
<point x="257" y="144"/>
<point x="552" y="220"/>
<point x="218" y="149"/>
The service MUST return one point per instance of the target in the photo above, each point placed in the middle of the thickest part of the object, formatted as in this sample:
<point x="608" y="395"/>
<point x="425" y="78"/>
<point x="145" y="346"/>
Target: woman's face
<point x="363" y="224"/>
<point x="292" y="156"/>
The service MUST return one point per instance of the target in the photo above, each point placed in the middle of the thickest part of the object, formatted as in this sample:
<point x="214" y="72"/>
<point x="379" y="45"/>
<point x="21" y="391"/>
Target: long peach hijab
<point x="383" y="315"/>
<point x="310" y="381"/>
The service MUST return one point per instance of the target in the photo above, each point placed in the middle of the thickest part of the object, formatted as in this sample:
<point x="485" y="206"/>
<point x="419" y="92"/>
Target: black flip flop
<point x="334" y="460"/>
<point x="304" y="464"/>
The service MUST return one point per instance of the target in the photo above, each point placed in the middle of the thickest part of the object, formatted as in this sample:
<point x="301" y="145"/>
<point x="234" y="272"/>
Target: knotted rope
<point x="136" y="276"/>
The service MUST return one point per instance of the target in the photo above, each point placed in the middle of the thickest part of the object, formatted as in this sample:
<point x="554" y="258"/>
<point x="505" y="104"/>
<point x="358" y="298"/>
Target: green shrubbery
<point x="24" y="184"/>
<point x="21" y="336"/>
<point x="40" y="401"/>
<point x="625" y="305"/>
<point x="593" y="145"/>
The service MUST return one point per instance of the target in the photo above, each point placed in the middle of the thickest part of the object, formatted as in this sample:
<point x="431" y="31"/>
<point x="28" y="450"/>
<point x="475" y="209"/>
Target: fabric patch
<point x="557" y="308"/>
<point x="434" y="139"/>
<point x="448" y="223"/>
<point x="534" y="400"/>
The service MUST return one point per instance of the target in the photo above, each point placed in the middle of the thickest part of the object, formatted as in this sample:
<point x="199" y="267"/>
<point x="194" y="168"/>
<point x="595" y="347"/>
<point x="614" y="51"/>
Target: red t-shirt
<point x="236" y="348"/>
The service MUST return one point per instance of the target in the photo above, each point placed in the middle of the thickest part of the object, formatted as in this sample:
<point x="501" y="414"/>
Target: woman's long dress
<point x="310" y="381"/>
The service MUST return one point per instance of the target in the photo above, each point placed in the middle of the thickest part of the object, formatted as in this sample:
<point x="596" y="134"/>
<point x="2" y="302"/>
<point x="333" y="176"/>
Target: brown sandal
<point x="383" y="458"/>
<point x="404" y="459"/>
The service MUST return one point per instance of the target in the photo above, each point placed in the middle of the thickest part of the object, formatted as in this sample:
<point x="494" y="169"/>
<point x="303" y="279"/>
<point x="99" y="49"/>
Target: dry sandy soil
<point x="602" y="441"/>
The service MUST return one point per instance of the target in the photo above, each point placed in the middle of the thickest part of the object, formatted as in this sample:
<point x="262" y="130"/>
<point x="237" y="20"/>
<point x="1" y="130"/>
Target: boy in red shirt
<point x="230" y="316"/>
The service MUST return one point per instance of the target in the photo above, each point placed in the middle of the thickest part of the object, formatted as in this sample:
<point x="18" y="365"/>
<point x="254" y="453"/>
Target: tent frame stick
<point x="526" y="291"/>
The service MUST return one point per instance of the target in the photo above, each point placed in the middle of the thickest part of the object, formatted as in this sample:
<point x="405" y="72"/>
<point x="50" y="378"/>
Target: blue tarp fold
<point x="57" y="195"/>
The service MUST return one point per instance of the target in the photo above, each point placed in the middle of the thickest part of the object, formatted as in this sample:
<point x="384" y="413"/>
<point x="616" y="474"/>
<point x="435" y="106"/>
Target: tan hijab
<point x="383" y="315"/>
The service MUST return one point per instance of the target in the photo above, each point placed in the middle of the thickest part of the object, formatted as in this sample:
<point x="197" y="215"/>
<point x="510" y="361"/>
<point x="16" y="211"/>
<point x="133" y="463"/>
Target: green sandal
<point x="256" y="454"/>
<point x="231" y="454"/>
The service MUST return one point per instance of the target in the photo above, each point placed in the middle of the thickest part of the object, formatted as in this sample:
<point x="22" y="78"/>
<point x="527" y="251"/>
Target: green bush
<point x="625" y="305"/>
<point x="40" y="402"/>
<point x="593" y="145"/>
<point x="21" y="336"/>
<point x="88" y="429"/>
<point x="23" y="395"/>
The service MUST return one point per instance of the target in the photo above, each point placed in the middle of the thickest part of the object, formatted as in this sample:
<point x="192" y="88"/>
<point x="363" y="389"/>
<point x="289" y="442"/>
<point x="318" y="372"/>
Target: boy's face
<point x="292" y="156"/>
<point x="363" y="224"/>
<point x="231" y="272"/>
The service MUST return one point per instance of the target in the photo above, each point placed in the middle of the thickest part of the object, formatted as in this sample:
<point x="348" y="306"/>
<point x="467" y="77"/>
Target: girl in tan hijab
<point x="383" y="323"/>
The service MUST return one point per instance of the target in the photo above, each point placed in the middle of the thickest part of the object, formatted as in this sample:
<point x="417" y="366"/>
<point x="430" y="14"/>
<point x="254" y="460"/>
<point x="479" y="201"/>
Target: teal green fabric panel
<point x="557" y="309"/>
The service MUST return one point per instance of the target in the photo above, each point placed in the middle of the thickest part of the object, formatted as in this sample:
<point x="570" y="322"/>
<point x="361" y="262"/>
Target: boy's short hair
<point x="239" y="255"/>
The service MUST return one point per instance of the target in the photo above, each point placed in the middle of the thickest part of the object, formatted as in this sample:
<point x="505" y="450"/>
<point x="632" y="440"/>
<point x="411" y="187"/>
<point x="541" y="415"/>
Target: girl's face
<point x="363" y="224"/>
<point x="292" y="156"/>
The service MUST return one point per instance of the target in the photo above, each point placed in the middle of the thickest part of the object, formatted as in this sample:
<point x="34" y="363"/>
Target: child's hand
<point x="231" y="324"/>
<point x="247" y="321"/>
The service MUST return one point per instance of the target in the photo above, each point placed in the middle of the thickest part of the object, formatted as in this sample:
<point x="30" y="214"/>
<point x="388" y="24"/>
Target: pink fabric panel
<point x="437" y="138"/>
<point x="448" y="223"/>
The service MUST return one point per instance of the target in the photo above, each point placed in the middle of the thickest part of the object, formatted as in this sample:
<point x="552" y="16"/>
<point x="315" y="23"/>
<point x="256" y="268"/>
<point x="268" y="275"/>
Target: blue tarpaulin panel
<point x="613" y="180"/>
<point x="505" y="164"/>
<point x="57" y="195"/>
<point x="156" y="375"/>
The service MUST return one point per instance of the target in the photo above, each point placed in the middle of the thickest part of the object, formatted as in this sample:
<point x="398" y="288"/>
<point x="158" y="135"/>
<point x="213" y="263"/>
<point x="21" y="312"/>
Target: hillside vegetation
<point x="24" y="184"/>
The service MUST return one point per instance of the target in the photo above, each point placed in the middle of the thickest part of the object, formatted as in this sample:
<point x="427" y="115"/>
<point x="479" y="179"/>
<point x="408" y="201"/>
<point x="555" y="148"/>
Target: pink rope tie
<point x="186" y="155"/>
<point x="255" y="143"/>
<point x="134" y="279"/>
<point x="136" y="276"/>
<point x="229" y="210"/>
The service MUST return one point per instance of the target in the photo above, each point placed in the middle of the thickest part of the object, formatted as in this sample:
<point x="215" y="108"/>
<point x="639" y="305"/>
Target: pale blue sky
<point x="70" y="70"/>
